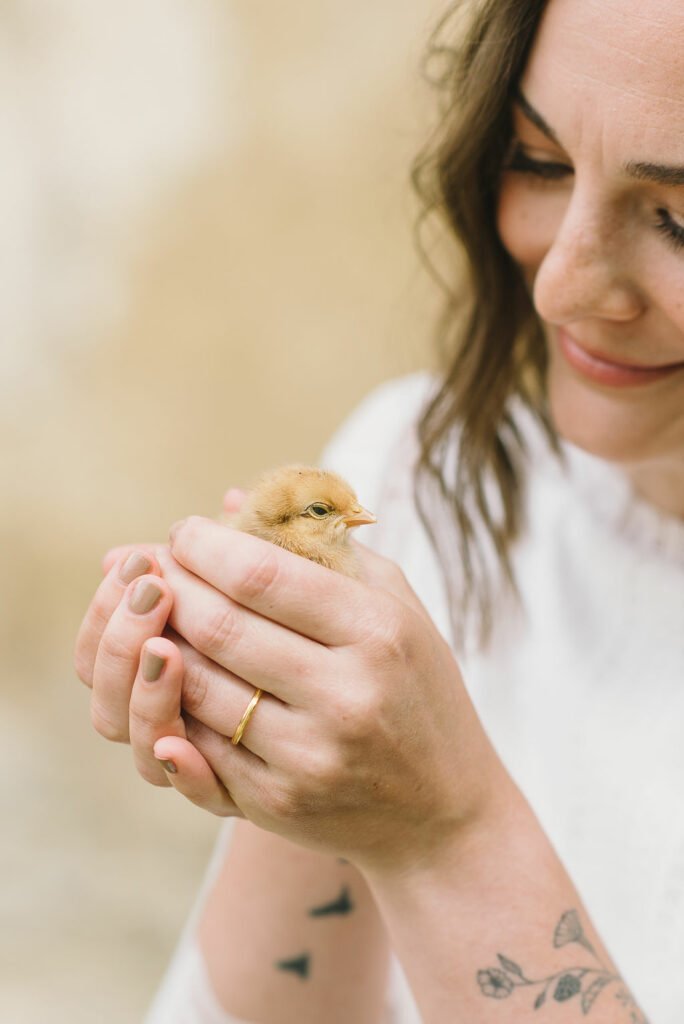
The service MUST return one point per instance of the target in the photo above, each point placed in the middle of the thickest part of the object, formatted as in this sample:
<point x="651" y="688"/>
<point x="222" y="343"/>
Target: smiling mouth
<point x="604" y="371"/>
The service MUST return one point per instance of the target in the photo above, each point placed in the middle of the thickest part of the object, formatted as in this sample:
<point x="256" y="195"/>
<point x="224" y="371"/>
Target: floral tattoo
<point x="585" y="983"/>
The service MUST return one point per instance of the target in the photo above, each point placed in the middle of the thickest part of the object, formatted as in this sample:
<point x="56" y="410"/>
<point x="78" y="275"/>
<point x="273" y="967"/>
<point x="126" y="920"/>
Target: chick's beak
<point x="359" y="517"/>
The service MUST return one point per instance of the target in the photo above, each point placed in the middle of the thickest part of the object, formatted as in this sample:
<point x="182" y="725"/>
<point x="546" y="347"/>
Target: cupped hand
<point x="364" y="742"/>
<point x="134" y="673"/>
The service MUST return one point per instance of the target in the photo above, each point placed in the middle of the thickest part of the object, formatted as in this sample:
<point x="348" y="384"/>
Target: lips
<point x="603" y="370"/>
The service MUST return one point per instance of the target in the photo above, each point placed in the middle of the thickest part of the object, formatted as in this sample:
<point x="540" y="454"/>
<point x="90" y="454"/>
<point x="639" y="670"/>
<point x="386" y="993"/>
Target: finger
<point x="233" y="499"/>
<point x="128" y="565"/>
<point x="252" y="647"/>
<point x="114" y="554"/>
<point x="218" y="699"/>
<point x="189" y="773"/>
<point x="155" y="706"/>
<point x="308" y="598"/>
<point x="140" y="616"/>
<point x="244" y="776"/>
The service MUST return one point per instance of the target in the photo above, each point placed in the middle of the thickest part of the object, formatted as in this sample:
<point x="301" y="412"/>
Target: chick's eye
<point x="318" y="511"/>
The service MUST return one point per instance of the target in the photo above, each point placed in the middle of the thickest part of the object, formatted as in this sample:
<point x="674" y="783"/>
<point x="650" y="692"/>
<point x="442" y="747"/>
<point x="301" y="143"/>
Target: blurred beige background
<point x="206" y="259"/>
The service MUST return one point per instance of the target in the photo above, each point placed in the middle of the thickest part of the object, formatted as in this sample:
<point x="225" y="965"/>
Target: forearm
<point x="498" y="919"/>
<point x="289" y="935"/>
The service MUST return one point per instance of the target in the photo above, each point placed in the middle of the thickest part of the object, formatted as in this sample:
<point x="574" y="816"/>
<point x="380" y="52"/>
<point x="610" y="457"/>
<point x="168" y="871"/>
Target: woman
<point x="396" y="799"/>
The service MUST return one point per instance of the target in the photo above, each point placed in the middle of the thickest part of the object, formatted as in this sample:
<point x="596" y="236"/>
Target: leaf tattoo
<point x="509" y="966"/>
<point x="582" y="983"/>
<point x="590" y="993"/>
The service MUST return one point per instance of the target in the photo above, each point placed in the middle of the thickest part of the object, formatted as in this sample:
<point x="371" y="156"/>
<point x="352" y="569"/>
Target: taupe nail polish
<point x="152" y="665"/>
<point x="144" y="597"/>
<point x="136" y="564"/>
<point x="168" y="766"/>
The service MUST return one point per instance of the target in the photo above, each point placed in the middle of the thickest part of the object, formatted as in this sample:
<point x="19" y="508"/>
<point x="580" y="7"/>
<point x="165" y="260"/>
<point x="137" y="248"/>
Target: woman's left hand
<point x="364" y="743"/>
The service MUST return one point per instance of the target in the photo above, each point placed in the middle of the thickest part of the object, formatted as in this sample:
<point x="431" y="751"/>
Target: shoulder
<point x="364" y="445"/>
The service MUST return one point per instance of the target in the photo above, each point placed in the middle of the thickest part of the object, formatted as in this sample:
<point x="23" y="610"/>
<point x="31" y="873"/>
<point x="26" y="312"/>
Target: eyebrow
<point x="641" y="170"/>
<point x="661" y="174"/>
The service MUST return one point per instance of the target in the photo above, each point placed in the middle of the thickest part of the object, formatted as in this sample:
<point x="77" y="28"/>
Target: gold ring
<point x="242" y="724"/>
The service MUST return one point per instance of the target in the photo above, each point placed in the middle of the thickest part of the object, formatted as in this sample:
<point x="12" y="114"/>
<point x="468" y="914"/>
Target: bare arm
<point x="287" y="934"/>
<point x="493" y="929"/>
<point x="290" y="936"/>
<point x="402" y="780"/>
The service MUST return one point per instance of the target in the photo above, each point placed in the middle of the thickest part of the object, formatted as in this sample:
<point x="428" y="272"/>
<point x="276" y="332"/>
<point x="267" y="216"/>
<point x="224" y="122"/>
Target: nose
<point x="585" y="272"/>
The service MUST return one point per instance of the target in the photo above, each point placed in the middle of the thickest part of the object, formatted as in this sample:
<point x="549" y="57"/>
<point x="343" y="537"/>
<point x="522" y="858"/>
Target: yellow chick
<point x="308" y="511"/>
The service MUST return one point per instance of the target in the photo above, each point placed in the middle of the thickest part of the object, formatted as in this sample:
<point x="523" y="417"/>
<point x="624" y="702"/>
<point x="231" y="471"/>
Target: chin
<point x="618" y="426"/>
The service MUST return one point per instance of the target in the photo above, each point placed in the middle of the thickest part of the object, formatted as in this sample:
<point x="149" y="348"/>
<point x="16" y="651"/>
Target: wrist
<point x="483" y="810"/>
<point x="496" y="887"/>
<point x="498" y="830"/>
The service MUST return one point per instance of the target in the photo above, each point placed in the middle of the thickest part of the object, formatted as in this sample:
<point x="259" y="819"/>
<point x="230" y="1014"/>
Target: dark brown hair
<point x="493" y="345"/>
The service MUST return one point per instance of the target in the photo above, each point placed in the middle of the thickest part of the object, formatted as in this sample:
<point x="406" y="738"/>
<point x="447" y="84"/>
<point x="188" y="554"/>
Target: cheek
<point x="527" y="222"/>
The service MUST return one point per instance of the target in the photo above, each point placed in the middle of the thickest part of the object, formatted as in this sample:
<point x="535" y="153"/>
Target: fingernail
<point x="168" y="766"/>
<point x="152" y="665"/>
<point x="175" y="528"/>
<point x="135" y="565"/>
<point x="144" y="597"/>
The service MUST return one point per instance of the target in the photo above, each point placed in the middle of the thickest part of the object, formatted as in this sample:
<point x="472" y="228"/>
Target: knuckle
<point x="185" y="533"/>
<point x="92" y="628"/>
<point x="116" y="655"/>
<point x="389" y="637"/>
<point x="218" y="630"/>
<point x="100" y="611"/>
<point x="358" y="714"/>
<point x="260" y="576"/>
<point x="195" y="685"/>
<point x="142" y="719"/>
<point x="106" y="725"/>
<point x="187" y="529"/>
<point x="322" y="771"/>
<point x="284" y="802"/>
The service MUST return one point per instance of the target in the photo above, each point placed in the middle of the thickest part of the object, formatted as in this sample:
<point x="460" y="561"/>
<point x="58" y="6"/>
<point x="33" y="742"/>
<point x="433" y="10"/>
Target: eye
<point x="672" y="229"/>
<point x="318" y="510"/>
<point x="549" y="170"/>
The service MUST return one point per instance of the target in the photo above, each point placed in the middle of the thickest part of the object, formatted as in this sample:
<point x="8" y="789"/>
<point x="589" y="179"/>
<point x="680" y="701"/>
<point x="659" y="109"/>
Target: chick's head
<point x="305" y="509"/>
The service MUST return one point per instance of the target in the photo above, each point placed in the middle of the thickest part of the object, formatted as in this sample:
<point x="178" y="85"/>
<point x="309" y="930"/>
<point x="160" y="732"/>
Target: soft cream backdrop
<point x="205" y="261"/>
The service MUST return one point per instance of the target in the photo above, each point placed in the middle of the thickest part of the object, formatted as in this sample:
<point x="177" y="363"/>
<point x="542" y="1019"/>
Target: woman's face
<point x="592" y="208"/>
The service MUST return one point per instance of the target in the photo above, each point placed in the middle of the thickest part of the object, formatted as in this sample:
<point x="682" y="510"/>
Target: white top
<point x="581" y="689"/>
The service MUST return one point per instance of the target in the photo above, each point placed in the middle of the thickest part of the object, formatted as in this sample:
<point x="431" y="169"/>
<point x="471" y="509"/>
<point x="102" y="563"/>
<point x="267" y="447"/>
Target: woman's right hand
<point x="119" y="652"/>
<point x="120" y="640"/>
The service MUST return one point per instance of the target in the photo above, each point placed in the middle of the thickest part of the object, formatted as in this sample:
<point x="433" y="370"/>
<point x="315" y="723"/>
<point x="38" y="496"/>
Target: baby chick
<point x="306" y="510"/>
